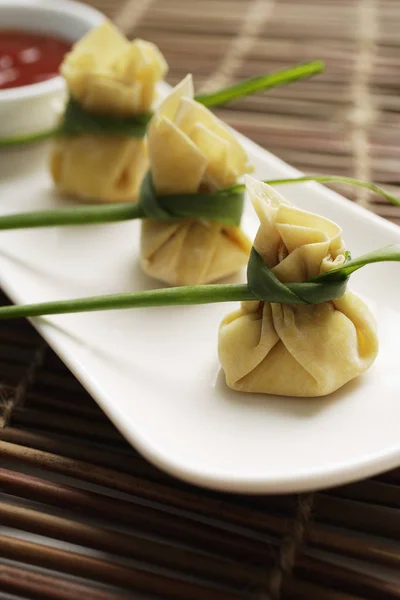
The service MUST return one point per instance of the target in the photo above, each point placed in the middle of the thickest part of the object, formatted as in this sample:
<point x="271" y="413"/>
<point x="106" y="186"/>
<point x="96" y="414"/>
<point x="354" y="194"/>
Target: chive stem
<point x="262" y="284"/>
<point x="373" y="187"/>
<point x="77" y="215"/>
<point x="28" y="138"/>
<point x="260" y="83"/>
<point x="176" y="296"/>
<point x="246" y="87"/>
<point x="112" y="213"/>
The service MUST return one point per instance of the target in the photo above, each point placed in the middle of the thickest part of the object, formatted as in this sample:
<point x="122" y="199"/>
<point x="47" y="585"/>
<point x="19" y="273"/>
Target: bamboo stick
<point x="44" y="587"/>
<point x="179" y="528"/>
<point x="371" y="586"/>
<point x="193" y="501"/>
<point x="182" y="561"/>
<point x="69" y="425"/>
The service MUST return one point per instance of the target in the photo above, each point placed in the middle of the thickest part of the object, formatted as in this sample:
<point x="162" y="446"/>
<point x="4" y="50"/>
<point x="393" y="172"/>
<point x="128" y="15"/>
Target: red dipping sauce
<point x="27" y="58"/>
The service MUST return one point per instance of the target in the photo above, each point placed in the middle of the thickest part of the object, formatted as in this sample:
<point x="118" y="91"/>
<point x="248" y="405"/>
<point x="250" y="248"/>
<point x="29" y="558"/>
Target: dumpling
<point x="191" y="150"/>
<point x="99" y="168"/>
<point x="107" y="75"/>
<point x="296" y="350"/>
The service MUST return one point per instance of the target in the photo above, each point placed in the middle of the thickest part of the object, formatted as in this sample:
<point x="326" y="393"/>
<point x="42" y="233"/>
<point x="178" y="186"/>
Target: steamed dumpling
<point x="191" y="150"/>
<point x="296" y="350"/>
<point x="107" y="75"/>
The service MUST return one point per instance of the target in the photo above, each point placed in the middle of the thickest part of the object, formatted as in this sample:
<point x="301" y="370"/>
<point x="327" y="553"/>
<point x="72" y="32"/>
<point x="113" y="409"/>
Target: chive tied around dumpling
<point x="191" y="151"/>
<point x="107" y="76"/>
<point x="291" y="349"/>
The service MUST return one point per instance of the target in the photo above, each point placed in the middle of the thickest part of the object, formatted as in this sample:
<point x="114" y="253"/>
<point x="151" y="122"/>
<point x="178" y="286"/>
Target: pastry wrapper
<point x="107" y="75"/>
<point x="191" y="150"/>
<point x="296" y="350"/>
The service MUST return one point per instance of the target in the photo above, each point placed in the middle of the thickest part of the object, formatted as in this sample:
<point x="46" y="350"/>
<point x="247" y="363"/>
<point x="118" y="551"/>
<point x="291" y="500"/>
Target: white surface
<point x="36" y="107"/>
<point x="155" y="372"/>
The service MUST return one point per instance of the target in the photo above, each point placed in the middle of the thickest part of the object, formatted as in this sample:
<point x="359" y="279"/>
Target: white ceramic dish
<point x="35" y="107"/>
<point x="156" y="374"/>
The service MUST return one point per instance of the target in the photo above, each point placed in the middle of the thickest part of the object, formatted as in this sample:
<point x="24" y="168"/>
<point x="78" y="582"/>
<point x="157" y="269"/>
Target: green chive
<point x="261" y="83"/>
<point x="78" y="121"/>
<point x="224" y="206"/>
<point x="176" y="296"/>
<point x="78" y="215"/>
<point x="387" y="254"/>
<point x="28" y="138"/>
<point x="261" y="287"/>
<point x="338" y="179"/>
<point x="265" y="286"/>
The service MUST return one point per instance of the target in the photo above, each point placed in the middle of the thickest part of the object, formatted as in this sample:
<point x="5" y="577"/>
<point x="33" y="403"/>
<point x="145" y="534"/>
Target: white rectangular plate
<point x="155" y="372"/>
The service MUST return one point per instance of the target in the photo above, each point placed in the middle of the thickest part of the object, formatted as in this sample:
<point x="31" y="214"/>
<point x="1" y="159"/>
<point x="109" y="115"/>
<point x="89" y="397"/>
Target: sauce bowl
<point x="35" y="107"/>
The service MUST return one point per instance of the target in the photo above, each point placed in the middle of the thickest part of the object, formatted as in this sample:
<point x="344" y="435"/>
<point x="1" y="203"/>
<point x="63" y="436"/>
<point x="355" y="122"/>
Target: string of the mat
<point x="256" y="18"/>
<point x="362" y="114"/>
<point x="289" y="547"/>
<point x="254" y="22"/>
<point x="25" y="383"/>
<point x="130" y="14"/>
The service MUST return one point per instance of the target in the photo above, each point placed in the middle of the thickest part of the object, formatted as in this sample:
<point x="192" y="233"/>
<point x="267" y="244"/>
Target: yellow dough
<point x="296" y="350"/>
<point x="191" y="150"/>
<point x="107" y="75"/>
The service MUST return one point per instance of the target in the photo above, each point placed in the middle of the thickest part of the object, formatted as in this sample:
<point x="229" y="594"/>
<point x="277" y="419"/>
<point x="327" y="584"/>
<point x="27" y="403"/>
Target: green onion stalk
<point x="77" y="121"/>
<point x="262" y="285"/>
<point x="224" y="206"/>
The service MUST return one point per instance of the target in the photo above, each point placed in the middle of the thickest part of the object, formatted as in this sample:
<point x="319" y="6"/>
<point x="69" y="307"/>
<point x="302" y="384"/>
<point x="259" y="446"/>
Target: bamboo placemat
<point x="82" y="515"/>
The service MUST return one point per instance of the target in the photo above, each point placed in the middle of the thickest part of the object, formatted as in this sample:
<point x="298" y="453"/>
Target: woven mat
<point x="82" y="515"/>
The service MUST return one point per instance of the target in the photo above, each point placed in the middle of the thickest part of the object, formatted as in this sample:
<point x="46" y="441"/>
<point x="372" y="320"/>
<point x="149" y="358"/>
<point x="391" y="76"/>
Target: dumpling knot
<point x="224" y="207"/>
<point x="111" y="78"/>
<point x="190" y="152"/>
<point x="282" y="345"/>
<point x="107" y="74"/>
<point x="266" y="286"/>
